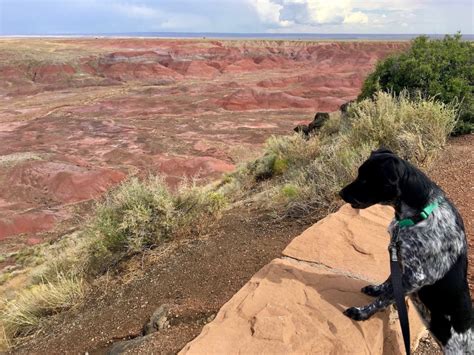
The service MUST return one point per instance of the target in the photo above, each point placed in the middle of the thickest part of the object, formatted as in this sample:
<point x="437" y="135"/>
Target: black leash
<point x="399" y="294"/>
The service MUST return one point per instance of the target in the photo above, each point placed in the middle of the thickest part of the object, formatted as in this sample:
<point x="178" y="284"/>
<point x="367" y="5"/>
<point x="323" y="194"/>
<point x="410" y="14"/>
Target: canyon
<point x="79" y="115"/>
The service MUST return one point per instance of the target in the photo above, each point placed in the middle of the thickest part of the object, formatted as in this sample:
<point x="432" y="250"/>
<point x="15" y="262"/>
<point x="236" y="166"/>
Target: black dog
<point x="431" y="247"/>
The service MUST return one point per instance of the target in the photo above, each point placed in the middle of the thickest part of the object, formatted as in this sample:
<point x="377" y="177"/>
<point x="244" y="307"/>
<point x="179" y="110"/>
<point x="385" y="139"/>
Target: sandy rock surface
<point x="294" y="304"/>
<point x="350" y="240"/>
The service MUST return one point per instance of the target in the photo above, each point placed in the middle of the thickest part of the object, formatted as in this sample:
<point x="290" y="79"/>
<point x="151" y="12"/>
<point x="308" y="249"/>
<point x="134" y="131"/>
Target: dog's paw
<point x="371" y="290"/>
<point x="356" y="313"/>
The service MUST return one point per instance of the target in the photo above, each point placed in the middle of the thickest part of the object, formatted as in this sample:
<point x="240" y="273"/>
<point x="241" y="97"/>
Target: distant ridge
<point x="272" y="36"/>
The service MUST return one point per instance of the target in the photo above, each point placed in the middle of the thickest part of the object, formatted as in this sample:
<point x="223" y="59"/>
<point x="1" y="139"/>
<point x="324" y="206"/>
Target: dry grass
<point x="21" y="316"/>
<point x="16" y="158"/>
<point x="137" y="215"/>
<point x="143" y="214"/>
<point x="296" y="176"/>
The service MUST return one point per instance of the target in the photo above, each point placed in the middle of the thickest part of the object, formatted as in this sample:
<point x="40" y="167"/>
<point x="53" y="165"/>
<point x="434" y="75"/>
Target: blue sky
<point x="51" y="17"/>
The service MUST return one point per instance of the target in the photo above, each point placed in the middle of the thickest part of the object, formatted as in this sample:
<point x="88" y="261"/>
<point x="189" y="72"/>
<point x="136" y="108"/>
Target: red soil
<point x="93" y="110"/>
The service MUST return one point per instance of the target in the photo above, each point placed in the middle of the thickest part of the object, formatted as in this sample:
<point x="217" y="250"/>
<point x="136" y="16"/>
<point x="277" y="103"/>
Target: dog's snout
<point x="341" y="194"/>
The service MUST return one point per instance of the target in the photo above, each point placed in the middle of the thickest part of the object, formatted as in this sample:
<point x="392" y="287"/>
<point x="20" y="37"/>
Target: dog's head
<point x="378" y="181"/>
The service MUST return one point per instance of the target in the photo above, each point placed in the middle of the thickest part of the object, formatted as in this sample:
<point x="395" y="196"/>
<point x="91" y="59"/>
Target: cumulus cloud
<point x="308" y="12"/>
<point x="356" y="17"/>
<point x="269" y="12"/>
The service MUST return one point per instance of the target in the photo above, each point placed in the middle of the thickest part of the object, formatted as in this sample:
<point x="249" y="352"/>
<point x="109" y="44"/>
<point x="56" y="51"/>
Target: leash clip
<point x="393" y="253"/>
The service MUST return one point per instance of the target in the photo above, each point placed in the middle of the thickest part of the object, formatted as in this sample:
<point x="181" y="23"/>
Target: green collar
<point x="425" y="212"/>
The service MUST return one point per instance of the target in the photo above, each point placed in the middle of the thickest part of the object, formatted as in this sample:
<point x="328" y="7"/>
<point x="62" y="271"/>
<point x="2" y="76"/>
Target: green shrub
<point x="280" y="165"/>
<point x="443" y="69"/>
<point x="142" y="214"/>
<point x="414" y="127"/>
<point x="290" y="191"/>
<point x="294" y="150"/>
<point x="262" y="168"/>
<point x="133" y="216"/>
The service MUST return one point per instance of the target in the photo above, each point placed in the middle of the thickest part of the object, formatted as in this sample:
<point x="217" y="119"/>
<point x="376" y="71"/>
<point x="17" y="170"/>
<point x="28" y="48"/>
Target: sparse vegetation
<point x="134" y="216"/>
<point x="138" y="214"/>
<point x="317" y="168"/>
<point x="15" y="158"/>
<point x="295" y="176"/>
<point x="437" y="68"/>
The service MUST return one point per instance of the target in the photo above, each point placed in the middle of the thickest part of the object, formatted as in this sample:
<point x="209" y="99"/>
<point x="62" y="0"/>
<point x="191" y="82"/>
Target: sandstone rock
<point x="316" y="124"/>
<point x="352" y="240"/>
<point x="125" y="71"/>
<point x="27" y="223"/>
<point x="61" y="181"/>
<point x="242" y="65"/>
<point x="295" y="306"/>
<point x="249" y="99"/>
<point x="290" y="307"/>
<point x="50" y="73"/>
<point x="137" y="56"/>
<point x="301" y="128"/>
<point x="124" y="346"/>
<point x="318" y="121"/>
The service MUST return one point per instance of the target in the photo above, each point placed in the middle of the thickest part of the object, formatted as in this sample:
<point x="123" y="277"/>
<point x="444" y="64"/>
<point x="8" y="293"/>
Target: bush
<point x="142" y="214"/>
<point x="413" y="127"/>
<point x="443" y="69"/>
<point x="133" y="216"/>
<point x="282" y="154"/>
<point x="196" y="207"/>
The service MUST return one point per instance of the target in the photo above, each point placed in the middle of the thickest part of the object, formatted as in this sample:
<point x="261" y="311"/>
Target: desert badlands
<point x="79" y="115"/>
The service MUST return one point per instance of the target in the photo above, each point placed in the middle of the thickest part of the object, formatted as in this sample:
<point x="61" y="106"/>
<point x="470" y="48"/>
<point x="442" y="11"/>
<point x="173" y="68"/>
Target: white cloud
<point x="284" y="13"/>
<point x="356" y="17"/>
<point x="269" y="12"/>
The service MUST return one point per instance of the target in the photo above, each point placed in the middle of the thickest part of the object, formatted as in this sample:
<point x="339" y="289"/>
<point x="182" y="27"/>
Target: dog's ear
<point x="392" y="169"/>
<point x="381" y="150"/>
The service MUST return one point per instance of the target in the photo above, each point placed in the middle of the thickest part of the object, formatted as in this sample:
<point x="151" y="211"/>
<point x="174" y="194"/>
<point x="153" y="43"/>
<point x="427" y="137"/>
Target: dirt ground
<point x="196" y="277"/>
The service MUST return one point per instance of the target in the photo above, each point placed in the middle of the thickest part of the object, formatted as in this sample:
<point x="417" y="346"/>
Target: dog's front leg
<point x="411" y="281"/>
<point x="376" y="290"/>
<point x="365" y="312"/>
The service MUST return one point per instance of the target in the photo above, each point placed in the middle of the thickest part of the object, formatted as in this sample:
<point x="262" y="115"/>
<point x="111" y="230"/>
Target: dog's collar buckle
<point x="424" y="214"/>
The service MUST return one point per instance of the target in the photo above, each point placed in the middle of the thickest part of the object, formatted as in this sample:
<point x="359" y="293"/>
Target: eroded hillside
<point x="79" y="115"/>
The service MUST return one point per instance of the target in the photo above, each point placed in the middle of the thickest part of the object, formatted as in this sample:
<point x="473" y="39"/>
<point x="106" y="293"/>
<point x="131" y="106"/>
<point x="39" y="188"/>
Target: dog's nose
<point x="341" y="193"/>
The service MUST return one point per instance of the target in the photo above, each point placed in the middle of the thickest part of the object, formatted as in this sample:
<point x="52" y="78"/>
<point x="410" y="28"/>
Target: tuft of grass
<point x="290" y="191"/>
<point x="134" y="216"/>
<point x="196" y="207"/>
<point x="280" y="165"/>
<point x="21" y="316"/>
<point x="143" y="214"/>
